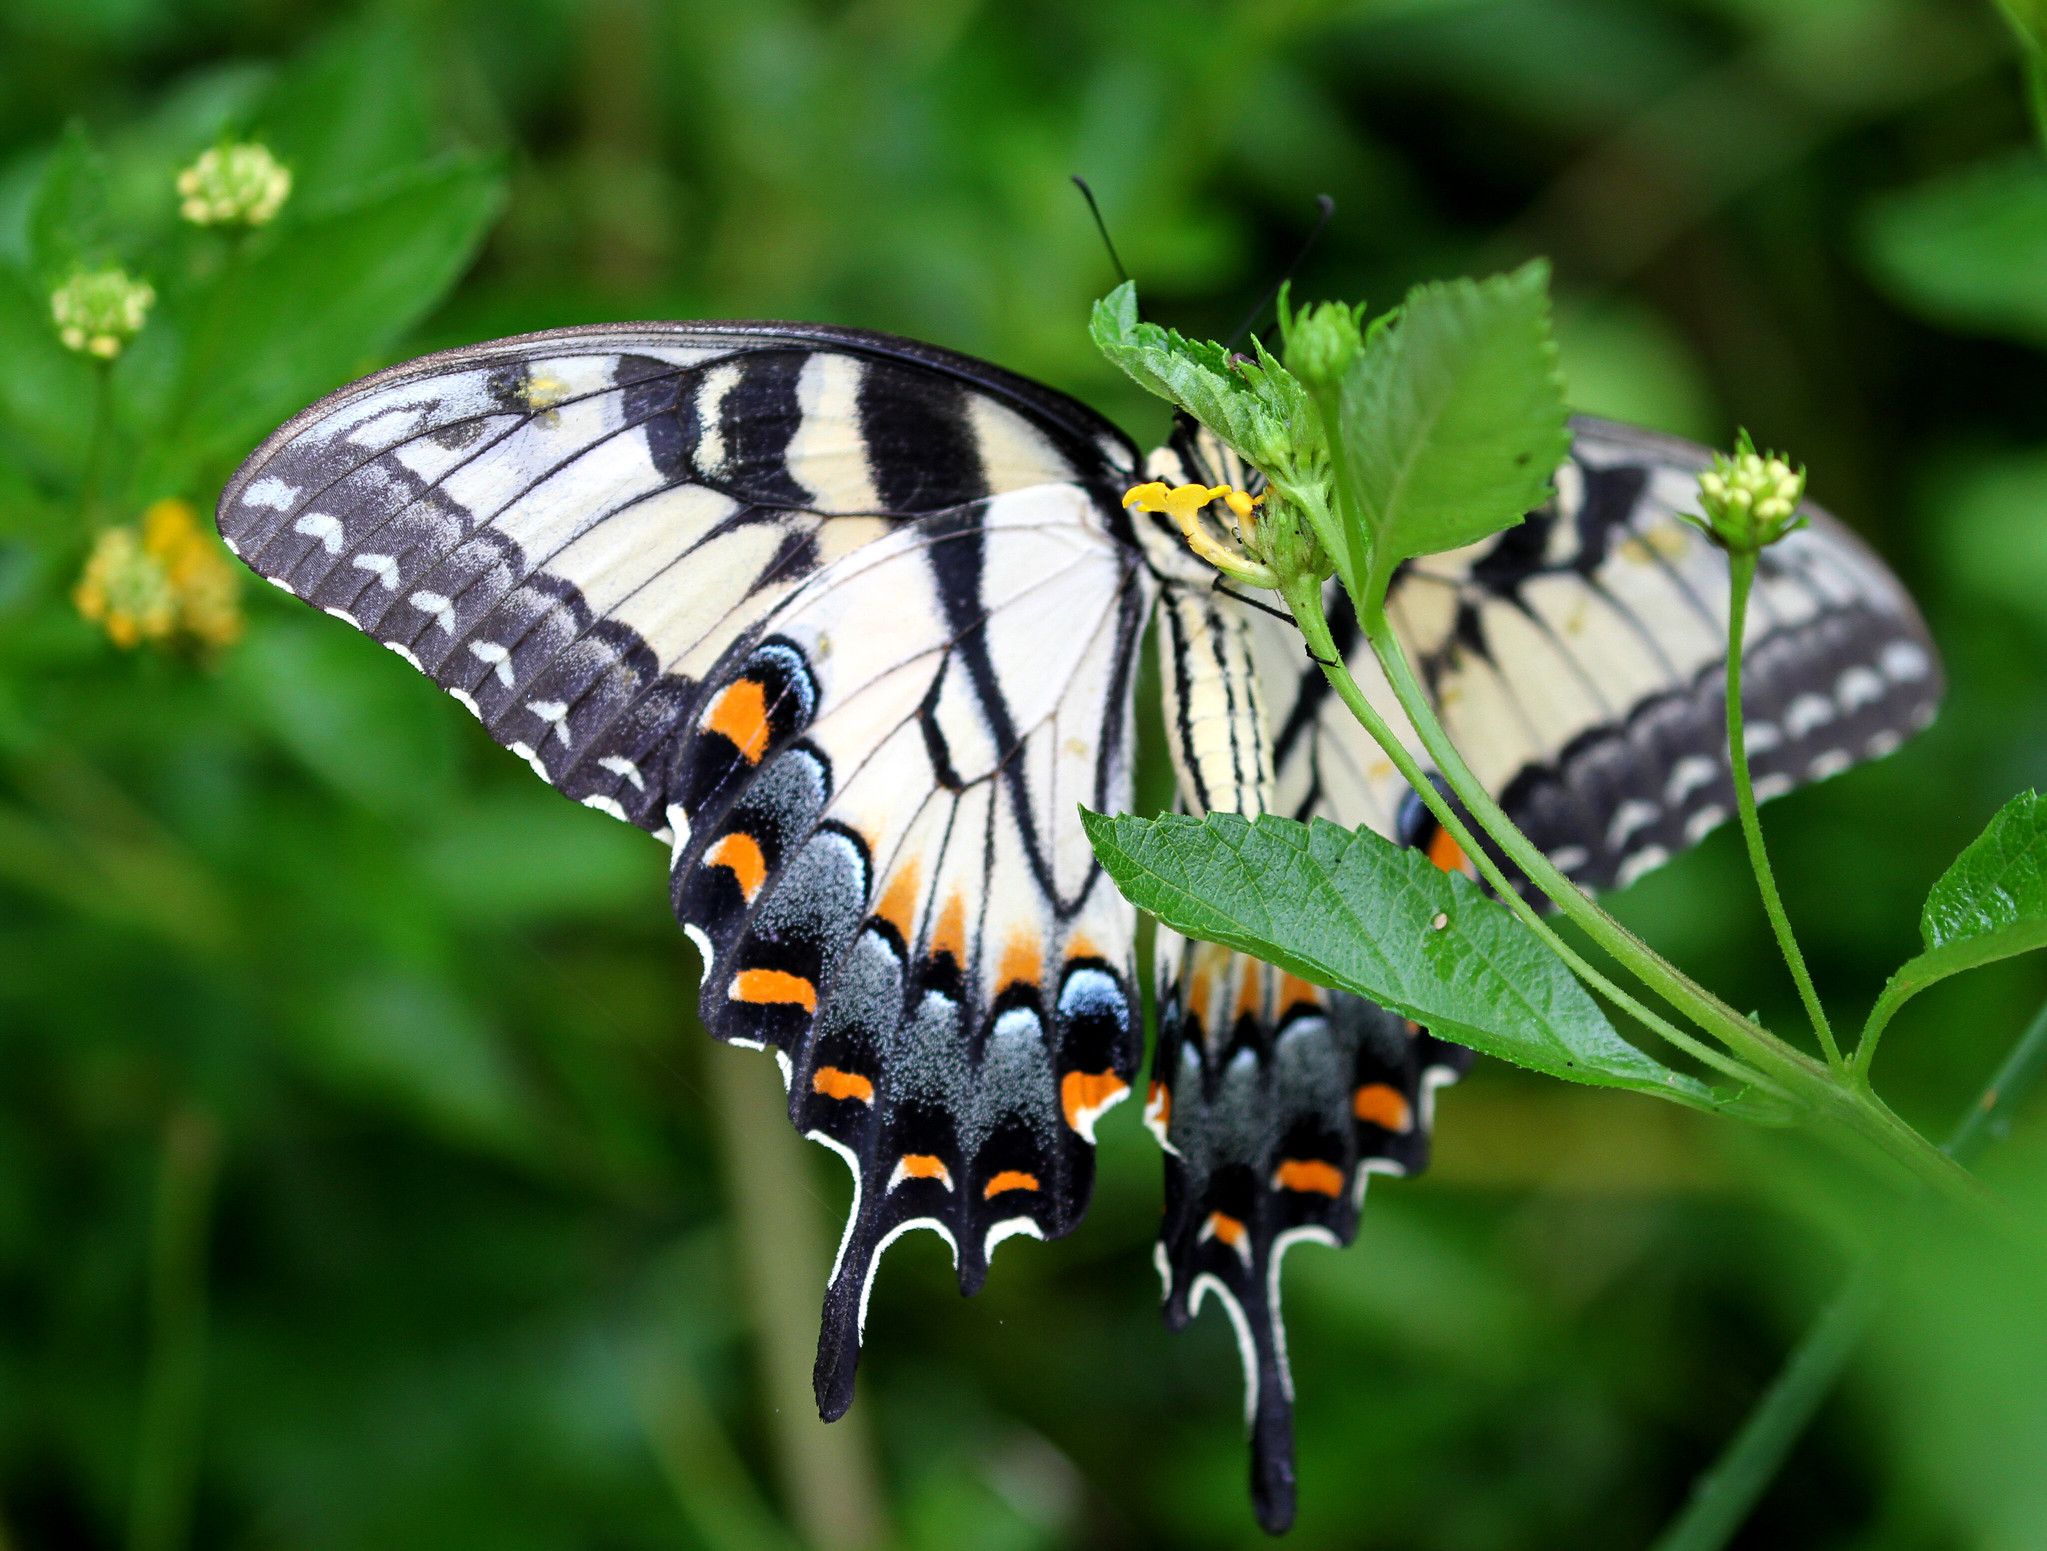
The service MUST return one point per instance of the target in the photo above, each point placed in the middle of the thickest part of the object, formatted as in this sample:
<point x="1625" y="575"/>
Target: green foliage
<point x="1993" y="900"/>
<point x="1354" y="910"/>
<point x="1970" y="248"/>
<point x="332" y="293"/>
<point x="1990" y="904"/>
<point x="467" y="1273"/>
<point x="1257" y="408"/>
<point x="1453" y="417"/>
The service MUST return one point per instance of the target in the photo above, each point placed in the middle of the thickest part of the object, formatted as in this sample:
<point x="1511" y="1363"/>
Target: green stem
<point x="830" y="1477"/>
<point x="1727" y="1493"/>
<point x="95" y="447"/>
<point x="1854" y="1109"/>
<point x="1305" y="599"/>
<point x="173" y="1406"/>
<point x="1741" y="572"/>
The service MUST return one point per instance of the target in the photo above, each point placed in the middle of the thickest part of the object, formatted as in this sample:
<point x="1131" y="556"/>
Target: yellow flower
<point x="126" y="590"/>
<point x="1183" y="503"/>
<point x="169" y="580"/>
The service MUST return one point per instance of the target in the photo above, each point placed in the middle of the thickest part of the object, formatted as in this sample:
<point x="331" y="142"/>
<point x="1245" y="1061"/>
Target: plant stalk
<point x="1741" y="573"/>
<point x="830" y="1479"/>
<point x="174" y="1391"/>
<point x="1306" y="601"/>
<point x="1855" y="1109"/>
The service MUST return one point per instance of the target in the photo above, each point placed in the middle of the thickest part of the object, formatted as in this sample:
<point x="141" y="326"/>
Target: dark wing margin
<point x="850" y="623"/>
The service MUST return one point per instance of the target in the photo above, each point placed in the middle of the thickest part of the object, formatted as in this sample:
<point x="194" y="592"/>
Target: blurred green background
<point x="362" y="1178"/>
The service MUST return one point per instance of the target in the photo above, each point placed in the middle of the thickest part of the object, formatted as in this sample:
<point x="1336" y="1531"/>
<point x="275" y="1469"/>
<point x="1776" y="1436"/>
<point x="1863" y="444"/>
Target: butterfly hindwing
<point x="885" y="871"/>
<point x="845" y="620"/>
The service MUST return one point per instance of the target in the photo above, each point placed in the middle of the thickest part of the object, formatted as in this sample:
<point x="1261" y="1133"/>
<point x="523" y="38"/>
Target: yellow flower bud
<point x="233" y="183"/>
<point x="99" y="313"/>
<point x="1750" y="500"/>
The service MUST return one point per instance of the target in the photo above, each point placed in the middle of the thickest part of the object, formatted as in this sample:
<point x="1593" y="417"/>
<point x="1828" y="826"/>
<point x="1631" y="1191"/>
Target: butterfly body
<point x="851" y="624"/>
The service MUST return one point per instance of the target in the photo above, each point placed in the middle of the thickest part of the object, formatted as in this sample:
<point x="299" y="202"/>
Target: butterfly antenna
<point x="1328" y="209"/>
<point x="1102" y="226"/>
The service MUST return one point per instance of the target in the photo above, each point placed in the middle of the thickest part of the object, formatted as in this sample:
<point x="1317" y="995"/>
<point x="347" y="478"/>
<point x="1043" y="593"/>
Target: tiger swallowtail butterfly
<point x="851" y="624"/>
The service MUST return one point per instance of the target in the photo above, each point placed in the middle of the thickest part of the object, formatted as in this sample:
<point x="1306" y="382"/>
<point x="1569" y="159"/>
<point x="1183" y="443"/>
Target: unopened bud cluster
<point x="1750" y="500"/>
<point x="1322" y="343"/>
<point x="100" y="312"/>
<point x="233" y="183"/>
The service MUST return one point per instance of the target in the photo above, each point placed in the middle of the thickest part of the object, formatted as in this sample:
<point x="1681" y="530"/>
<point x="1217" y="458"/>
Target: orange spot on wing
<point x="1306" y="1174"/>
<point x="740" y="712"/>
<point x="1447" y="854"/>
<point x="898" y="904"/>
<point x="1021" y="960"/>
<point x="742" y="853"/>
<point x="921" y="1165"/>
<point x="1293" y="990"/>
<point x="1199" y="987"/>
<point x="950" y="935"/>
<point x="1080" y="946"/>
<point x="1009" y="1179"/>
<point x="769" y="987"/>
<point x="1227" y="1228"/>
<point x="1084" y="1095"/>
<point x="836" y="1084"/>
<point x="1382" y="1105"/>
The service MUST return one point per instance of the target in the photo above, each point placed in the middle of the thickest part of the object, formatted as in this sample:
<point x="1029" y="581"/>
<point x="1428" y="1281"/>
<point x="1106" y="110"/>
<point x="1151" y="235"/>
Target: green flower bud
<point x="1750" y="500"/>
<point x="233" y="183"/>
<point x="99" y="313"/>
<point x="1322" y="342"/>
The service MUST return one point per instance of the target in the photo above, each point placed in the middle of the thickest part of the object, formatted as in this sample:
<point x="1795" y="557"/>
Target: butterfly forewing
<point x="1575" y="660"/>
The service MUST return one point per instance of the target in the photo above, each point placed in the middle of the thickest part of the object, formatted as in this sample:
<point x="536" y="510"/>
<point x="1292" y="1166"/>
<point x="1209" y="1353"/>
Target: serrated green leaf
<point x="1996" y="891"/>
<point x="1969" y="250"/>
<point x="1356" y="912"/>
<point x="1194" y="374"/>
<point x="1453" y="416"/>
<point x="1989" y="905"/>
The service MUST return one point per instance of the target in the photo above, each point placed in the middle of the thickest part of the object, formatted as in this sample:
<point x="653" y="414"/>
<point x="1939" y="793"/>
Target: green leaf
<point x="1989" y="905"/>
<point x="1996" y="891"/>
<point x="46" y="393"/>
<point x="322" y="306"/>
<point x="1245" y="406"/>
<point x="1969" y="251"/>
<point x="67" y="223"/>
<point x="1453" y="416"/>
<point x="1356" y="912"/>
